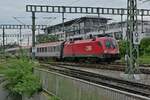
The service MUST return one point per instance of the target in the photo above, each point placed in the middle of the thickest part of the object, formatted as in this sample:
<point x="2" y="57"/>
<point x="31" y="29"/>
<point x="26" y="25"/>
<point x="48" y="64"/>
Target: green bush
<point x="19" y="77"/>
<point x="143" y="50"/>
<point x="123" y="47"/>
<point x="145" y="46"/>
<point x="147" y="50"/>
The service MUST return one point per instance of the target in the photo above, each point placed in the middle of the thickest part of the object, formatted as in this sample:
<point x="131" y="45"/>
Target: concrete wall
<point x="68" y="88"/>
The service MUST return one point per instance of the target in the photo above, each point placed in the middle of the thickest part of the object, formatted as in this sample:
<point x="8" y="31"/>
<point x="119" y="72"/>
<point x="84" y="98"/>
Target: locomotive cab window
<point x="99" y="44"/>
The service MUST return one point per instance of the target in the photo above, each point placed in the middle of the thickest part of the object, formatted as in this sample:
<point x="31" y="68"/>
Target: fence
<point x="68" y="88"/>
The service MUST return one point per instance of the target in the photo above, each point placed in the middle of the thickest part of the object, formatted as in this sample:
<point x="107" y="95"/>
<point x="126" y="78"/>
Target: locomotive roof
<point x="89" y="40"/>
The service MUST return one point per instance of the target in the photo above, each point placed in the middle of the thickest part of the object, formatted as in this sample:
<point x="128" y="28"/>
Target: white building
<point x="86" y="27"/>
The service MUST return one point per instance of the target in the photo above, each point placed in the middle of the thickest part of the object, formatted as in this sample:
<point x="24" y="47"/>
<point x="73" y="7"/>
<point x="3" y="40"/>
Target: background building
<point x="119" y="29"/>
<point x="84" y="27"/>
<point x="77" y="28"/>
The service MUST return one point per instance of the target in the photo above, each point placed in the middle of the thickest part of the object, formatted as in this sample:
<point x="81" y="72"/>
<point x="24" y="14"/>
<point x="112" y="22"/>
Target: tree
<point x="43" y="38"/>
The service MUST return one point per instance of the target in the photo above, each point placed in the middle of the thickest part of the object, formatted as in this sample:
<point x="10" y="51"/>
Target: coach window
<point x="54" y="48"/>
<point x="45" y="49"/>
<point x="42" y="49"/>
<point x="50" y="49"/>
<point x="57" y="48"/>
<point x="37" y="49"/>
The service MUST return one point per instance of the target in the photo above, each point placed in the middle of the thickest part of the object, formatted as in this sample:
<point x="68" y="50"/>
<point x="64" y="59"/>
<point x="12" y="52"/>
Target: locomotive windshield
<point x="110" y="44"/>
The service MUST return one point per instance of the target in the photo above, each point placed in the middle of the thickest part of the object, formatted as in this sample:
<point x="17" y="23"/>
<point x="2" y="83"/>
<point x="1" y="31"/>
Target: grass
<point x="144" y="59"/>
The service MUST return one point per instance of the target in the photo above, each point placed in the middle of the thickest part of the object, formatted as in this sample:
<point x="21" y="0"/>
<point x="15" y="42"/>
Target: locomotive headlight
<point x="105" y="51"/>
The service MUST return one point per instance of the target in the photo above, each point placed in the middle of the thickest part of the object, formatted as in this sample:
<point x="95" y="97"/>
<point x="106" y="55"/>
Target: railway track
<point x="132" y="87"/>
<point x="145" y="69"/>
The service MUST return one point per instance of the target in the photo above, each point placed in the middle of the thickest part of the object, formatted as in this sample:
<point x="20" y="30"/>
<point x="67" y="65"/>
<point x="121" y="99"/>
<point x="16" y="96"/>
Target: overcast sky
<point x="16" y="8"/>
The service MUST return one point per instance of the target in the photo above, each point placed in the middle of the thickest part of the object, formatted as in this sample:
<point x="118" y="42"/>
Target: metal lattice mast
<point x="132" y="37"/>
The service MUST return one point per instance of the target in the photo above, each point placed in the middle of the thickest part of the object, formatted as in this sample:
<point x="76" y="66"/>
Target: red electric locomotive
<point x="102" y="48"/>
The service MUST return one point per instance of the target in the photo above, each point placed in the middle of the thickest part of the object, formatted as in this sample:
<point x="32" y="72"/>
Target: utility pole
<point x="3" y="40"/>
<point x="132" y="37"/>
<point x="63" y="25"/>
<point x="20" y="36"/>
<point x="33" y="35"/>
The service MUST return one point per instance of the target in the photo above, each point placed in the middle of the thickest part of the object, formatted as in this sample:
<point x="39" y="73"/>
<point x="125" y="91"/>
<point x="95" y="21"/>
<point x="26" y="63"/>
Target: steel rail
<point x="145" y="69"/>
